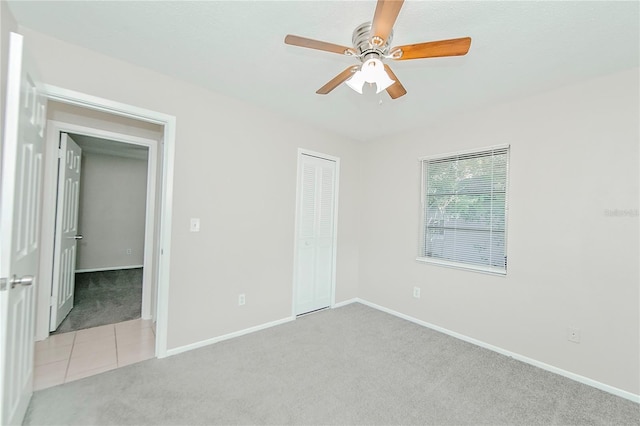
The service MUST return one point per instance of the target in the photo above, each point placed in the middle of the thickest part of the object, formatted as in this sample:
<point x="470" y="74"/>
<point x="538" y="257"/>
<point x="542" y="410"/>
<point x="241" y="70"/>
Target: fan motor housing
<point x="365" y="50"/>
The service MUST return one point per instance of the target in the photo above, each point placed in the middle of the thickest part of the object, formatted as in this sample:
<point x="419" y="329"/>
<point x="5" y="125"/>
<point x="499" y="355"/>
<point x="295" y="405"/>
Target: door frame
<point x="51" y="178"/>
<point x="83" y="100"/>
<point x="336" y="193"/>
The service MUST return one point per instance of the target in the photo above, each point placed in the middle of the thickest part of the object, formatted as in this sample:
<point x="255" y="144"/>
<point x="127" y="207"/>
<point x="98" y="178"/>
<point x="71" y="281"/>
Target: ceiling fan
<point x="371" y="45"/>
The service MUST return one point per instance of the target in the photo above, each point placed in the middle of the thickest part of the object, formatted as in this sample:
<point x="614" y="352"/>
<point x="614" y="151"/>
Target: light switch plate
<point x="195" y="225"/>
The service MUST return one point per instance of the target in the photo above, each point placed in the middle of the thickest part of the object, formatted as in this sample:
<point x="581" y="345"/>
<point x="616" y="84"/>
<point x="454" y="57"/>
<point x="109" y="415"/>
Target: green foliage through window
<point x="464" y="203"/>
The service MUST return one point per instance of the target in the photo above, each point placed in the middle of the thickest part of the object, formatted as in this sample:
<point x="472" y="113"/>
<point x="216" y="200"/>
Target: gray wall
<point x="111" y="217"/>
<point x="574" y="156"/>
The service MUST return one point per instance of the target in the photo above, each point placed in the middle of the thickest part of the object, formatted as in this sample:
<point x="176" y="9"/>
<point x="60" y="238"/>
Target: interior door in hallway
<point x="20" y="213"/>
<point x="66" y="236"/>
<point x="315" y="233"/>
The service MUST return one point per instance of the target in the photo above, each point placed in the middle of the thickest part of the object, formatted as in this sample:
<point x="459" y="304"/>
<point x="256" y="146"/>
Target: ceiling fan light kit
<point x="372" y="72"/>
<point x="372" y="69"/>
<point x="371" y="46"/>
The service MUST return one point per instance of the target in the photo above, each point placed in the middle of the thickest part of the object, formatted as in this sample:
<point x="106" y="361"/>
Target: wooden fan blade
<point x="383" y="20"/>
<point x="337" y="80"/>
<point x="433" y="49"/>
<point x="396" y="89"/>
<point x="316" y="44"/>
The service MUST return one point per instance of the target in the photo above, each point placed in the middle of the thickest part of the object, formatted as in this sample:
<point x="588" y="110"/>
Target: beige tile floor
<point x="71" y="356"/>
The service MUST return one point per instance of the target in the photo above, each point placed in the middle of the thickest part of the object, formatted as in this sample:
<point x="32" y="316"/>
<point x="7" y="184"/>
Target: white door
<point x="66" y="236"/>
<point x="20" y="200"/>
<point x="315" y="234"/>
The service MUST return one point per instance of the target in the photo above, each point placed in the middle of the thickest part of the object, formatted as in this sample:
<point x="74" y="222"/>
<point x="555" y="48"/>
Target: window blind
<point x="464" y="209"/>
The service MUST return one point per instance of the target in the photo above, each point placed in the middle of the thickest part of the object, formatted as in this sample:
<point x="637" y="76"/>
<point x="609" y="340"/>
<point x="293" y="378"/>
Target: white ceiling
<point x="236" y="48"/>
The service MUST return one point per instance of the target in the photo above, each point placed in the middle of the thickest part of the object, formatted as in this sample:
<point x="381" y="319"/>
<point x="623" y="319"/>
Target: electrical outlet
<point x="241" y="299"/>
<point x="194" y="226"/>
<point x="416" y="292"/>
<point x="573" y="334"/>
<point x="128" y="252"/>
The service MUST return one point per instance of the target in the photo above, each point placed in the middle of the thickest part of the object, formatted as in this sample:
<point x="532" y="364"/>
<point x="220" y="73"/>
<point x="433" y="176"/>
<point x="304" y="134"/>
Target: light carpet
<point x="351" y="365"/>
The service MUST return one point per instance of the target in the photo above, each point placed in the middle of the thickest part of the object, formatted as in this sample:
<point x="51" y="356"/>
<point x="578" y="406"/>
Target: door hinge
<point x="52" y="302"/>
<point x="3" y="284"/>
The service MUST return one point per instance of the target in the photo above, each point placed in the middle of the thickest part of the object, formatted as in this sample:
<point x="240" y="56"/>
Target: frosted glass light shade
<point x="372" y="71"/>
<point x="356" y="82"/>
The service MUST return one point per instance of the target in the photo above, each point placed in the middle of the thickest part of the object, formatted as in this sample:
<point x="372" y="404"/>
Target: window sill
<point x="455" y="265"/>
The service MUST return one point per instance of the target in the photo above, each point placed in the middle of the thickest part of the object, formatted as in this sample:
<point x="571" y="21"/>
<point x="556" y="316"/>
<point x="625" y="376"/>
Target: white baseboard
<point x="213" y="340"/>
<point x="345" y="302"/>
<point x="109" y="268"/>
<point x="578" y="378"/>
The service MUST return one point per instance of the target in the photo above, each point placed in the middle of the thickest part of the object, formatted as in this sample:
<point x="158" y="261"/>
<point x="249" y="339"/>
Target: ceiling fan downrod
<point x="364" y="48"/>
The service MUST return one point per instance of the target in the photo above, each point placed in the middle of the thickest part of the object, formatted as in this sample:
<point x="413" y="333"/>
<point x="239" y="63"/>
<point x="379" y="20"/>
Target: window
<point x="464" y="210"/>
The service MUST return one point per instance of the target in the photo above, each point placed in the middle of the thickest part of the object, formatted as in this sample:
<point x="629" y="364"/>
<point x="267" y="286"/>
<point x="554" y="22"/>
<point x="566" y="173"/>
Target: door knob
<point x="76" y="237"/>
<point x="26" y="280"/>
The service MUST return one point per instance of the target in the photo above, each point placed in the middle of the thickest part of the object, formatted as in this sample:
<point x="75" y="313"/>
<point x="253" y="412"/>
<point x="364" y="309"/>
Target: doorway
<point x="71" y="355"/>
<point x="103" y="142"/>
<point x="316" y="231"/>
<point x="156" y="301"/>
<point x="89" y="347"/>
<point x="106" y="238"/>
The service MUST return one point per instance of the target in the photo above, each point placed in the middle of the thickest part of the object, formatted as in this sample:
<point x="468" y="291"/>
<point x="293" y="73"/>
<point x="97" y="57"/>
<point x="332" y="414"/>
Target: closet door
<point x="315" y="234"/>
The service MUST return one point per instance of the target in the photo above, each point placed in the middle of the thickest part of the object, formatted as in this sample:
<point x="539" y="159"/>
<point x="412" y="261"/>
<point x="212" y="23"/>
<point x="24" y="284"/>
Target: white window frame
<point x="453" y="264"/>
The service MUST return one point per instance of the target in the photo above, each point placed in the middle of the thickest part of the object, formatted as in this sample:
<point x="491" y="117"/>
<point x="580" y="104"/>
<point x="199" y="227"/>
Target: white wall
<point x="574" y="155"/>
<point x="111" y="214"/>
<point x="235" y="169"/>
<point x="93" y="119"/>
